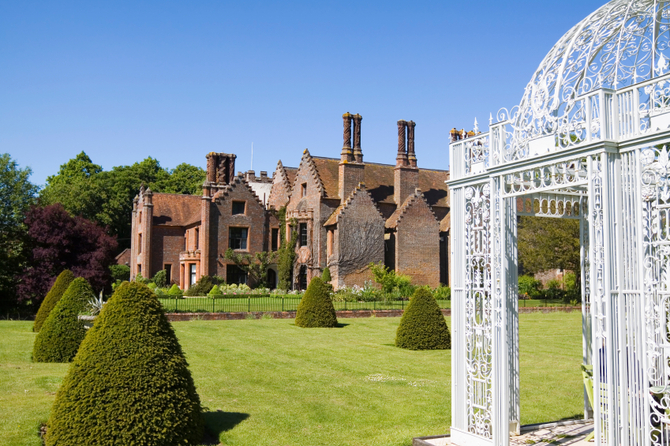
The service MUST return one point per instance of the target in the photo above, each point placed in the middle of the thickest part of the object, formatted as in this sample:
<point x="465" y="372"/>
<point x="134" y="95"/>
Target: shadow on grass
<point x="219" y="421"/>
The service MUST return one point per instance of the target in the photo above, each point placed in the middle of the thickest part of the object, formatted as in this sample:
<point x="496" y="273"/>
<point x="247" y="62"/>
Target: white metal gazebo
<point x="590" y="140"/>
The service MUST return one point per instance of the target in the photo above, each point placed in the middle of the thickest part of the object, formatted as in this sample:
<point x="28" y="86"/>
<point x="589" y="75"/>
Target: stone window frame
<point x="302" y="225"/>
<point x="303" y="190"/>
<point x="246" y="240"/>
<point x="274" y="239"/>
<point x="237" y="202"/>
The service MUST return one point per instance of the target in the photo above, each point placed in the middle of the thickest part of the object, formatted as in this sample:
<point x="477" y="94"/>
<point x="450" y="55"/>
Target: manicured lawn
<point x="267" y="382"/>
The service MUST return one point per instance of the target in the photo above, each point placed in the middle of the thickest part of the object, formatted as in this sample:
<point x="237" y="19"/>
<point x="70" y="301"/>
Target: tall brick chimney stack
<point x="401" y="158"/>
<point x="358" y="152"/>
<point x="220" y="168"/>
<point x="405" y="174"/>
<point x="347" y="154"/>
<point x="411" y="156"/>
<point x="351" y="169"/>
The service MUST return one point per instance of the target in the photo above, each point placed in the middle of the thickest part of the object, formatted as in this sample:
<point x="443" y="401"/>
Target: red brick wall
<point x="255" y="219"/>
<point x="312" y="210"/>
<point x="166" y="244"/>
<point x="418" y="245"/>
<point x="358" y="241"/>
<point x="280" y="192"/>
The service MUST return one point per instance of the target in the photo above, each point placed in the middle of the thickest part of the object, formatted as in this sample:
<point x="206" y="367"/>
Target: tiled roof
<point x="379" y="181"/>
<point x="176" y="209"/>
<point x="291" y="172"/>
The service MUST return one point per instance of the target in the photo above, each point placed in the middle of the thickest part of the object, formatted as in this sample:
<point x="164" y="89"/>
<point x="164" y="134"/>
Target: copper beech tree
<point x="59" y="241"/>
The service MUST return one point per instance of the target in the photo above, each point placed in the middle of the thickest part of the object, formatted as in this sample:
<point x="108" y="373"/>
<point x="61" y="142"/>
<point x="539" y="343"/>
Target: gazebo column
<point x="610" y="362"/>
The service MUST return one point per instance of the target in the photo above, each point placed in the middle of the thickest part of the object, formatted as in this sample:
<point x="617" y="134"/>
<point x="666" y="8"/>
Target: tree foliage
<point x="129" y="383"/>
<point x="316" y="306"/>
<point x="60" y="241"/>
<point x="203" y="286"/>
<point x="422" y="326"/>
<point x="548" y="243"/>
<point x="256" y="266"/>
<point x="106" y="197"/>
<point x="60" y="285"/>
<point x="62" y="332"/>
<point x="17" y="194"/>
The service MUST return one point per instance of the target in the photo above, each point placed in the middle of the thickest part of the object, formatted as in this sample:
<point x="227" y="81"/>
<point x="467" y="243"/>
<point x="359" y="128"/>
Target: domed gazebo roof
<point x="622" y="43"/>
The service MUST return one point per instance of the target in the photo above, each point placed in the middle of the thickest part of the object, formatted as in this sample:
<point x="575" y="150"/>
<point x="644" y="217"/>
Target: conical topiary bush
<point x="53" y="296"/>
<point x="62" y="332"/>
<point x="129" y="383"/>
<point x="326" y="275"/>
<point x="316" y="306"/>
<point x="422" y="326"/>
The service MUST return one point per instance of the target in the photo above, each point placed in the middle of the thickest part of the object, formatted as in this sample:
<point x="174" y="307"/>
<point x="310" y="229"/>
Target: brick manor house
<point x="188" y="235"/>
<point x="347" y="214"/>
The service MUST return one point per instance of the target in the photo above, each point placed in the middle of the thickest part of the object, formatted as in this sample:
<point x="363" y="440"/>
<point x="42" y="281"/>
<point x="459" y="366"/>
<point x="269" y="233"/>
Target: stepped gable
<point x="395" y="218"/>
<point x="314" y="169"/>
<point x="286" y="175"/>
<point x="238" y="181"/>
<point x="341" y="208"/>
<point x="379" y="181"/>
<point x="176" y="209"/>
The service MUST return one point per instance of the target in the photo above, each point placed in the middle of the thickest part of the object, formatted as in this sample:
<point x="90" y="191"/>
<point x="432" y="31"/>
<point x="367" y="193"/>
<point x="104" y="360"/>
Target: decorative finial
<point x="476" y="129"/>
<point x="490" y="118"/>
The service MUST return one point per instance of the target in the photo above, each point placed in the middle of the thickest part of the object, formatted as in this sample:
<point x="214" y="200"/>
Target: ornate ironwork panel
<point x="478" y="309"/>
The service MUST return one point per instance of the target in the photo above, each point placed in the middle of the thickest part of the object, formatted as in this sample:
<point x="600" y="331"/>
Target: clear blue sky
<point x="175" y="80"/>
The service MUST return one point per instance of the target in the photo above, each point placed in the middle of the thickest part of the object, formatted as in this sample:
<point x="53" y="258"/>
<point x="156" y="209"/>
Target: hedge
<point x="53" y="296"/>
<point x="422" y="326"/>
<point x="129" y="384"/>
<point x="62" y="332"/>
<point x="316" y="307"/>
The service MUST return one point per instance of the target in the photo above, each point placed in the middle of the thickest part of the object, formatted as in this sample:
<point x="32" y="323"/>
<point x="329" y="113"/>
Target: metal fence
<point x="253" y="303"/>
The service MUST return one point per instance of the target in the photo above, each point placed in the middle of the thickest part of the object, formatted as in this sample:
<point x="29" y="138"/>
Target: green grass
<point x="269" y="382"/>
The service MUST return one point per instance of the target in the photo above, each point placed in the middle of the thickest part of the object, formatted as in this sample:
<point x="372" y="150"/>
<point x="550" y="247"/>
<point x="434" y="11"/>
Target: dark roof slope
<point x="176" y="209"/>
<point x="379" y="181"/>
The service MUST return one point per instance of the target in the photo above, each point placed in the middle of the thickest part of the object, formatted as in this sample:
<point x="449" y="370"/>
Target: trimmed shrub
<point x="62" y="332"/>
<point x="120" y="272"/>
<point x="53" y="296"/>
<point x="201" y="287"/>
<point x="316" y="306"/>
<point x="422" y="326"/>
<point x="160" y="279"/>
<point x="129" y="384"/>
<point x="326" y="275"/>
<point x="175" y="291"/>
<point x="215" y="292"/>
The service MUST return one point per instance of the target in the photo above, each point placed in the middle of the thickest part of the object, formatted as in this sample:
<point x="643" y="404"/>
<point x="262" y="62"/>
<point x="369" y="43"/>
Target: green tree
<point x="185" y="179"/>
<point x="548" y="243"/>
<point x="129" y="383"/>
<point x="316" y="306"/>
<point x="77" y="187"/>
<point x="62" y="332"/>
<point x="106" y="197"/>
<point x="17" y="193"/>
<point x="53" y="296"/>
<point x="422" y="326"/>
